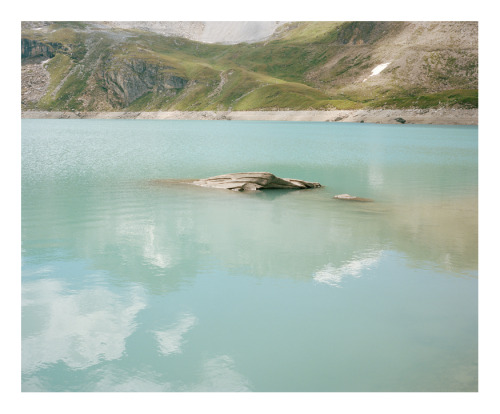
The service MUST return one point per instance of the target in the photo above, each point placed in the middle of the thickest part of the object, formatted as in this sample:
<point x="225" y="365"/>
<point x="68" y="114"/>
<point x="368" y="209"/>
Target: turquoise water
<point x="135" y="281"/>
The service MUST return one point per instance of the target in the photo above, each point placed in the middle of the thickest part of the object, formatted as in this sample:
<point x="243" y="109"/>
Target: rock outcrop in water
<point x="252" y="181"/>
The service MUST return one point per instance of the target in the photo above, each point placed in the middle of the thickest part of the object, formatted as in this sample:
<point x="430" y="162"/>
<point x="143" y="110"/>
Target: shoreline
<point x="437" y="116"/>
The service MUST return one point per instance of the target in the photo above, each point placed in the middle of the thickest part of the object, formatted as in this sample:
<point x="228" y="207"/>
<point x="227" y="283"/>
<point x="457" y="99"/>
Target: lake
<point x="133" y="280"/>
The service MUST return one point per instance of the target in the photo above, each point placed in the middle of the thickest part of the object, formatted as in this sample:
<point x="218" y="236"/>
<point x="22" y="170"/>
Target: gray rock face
<point x="131" y="79"/>
<point x="252" y="181"/>
<point x="33" y="48"/>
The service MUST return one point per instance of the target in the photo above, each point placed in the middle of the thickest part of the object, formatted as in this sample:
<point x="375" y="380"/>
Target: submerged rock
<point x="252" y="181"/>
<point x="352" y="198"/>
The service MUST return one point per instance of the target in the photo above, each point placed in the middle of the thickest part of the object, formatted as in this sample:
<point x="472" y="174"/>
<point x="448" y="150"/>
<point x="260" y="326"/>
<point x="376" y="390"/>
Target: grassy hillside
<point x="305" y="65"/>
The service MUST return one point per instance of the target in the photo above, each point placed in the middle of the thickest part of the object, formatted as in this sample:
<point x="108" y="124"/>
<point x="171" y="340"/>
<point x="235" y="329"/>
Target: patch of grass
<point x="239" y="83"/>
<point x="72" y="25"/>
<point x="290" y="96"/>
<point x="64" y="36"/>
<point x="78" y="48"/>
<point x="31" y="34"/>
<point x="58" y="67"/>
<point x="344" y="104"/>
<point x="67" y="97"/>
<point x="346" y="64"/>
<point x="72" y="88"/>
<point x="285" y="61"/>
<point x="309" y="32"/>
<point x="461" y="98"/>
<point x="191" y="99"/>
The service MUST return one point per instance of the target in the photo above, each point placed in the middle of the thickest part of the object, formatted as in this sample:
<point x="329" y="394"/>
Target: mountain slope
<point x="91" y="66"/>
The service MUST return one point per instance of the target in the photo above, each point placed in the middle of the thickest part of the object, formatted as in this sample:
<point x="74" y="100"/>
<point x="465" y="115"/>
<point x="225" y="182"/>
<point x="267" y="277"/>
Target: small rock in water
<point x="253" y="181"/>
<point x="352" y="198"/>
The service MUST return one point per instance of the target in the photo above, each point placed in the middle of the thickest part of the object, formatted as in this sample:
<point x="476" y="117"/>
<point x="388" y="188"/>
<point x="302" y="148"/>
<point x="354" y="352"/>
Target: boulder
<point x="352" y="198"/>
<point x="252" y="181"/>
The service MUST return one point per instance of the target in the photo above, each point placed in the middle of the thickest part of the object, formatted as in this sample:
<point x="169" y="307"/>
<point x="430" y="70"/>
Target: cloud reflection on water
<point x="78" y="328"/>
<point x="219" y="374"/>
<point x="333" y="275"/>
<point x="170" y="340"/>
<point x="112" y="380"/>
<point x="165" y="234"/>
<point x="216" y="374"/>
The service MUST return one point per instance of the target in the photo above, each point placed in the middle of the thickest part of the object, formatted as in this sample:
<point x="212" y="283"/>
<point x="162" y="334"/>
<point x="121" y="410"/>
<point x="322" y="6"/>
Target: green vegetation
<point x="307" y="32"/>
<point x="290" y="96"/>
<point x="305" y="65"/>
<point x="65" y="36"/>
<point x="71" y="89"/>
<point x="58" y="67"/>
<point x="462" y="98"/>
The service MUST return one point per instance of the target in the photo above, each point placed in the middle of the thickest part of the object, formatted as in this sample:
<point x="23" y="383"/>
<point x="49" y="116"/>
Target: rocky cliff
<point x="105" y="66"/>
<point x="132" y="79"/>
<point x="35" y="49"/>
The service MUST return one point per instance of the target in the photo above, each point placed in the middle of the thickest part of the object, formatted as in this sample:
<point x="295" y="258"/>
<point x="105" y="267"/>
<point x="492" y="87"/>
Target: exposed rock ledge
<point x="252" y="181"/>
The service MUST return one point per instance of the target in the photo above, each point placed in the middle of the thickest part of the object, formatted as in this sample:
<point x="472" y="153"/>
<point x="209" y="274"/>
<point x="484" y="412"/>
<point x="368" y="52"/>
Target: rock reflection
<point x="79" y="329"/>
<point x="163" y="235"/>
<point x="443" y="233"/>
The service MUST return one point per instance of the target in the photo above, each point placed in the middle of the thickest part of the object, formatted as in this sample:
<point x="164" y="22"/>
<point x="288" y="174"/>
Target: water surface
<point x="135" y="284"/>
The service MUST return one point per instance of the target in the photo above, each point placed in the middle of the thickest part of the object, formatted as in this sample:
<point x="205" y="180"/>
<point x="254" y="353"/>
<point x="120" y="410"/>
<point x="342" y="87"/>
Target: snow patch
<point x="377" y="69"/>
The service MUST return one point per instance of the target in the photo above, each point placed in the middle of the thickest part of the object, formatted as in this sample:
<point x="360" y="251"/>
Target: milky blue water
<point x="133" y="280"/>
